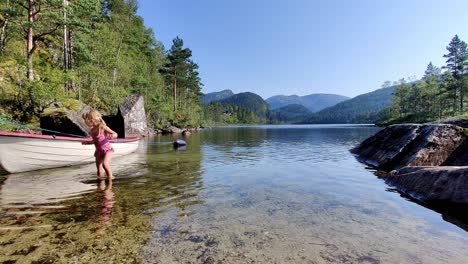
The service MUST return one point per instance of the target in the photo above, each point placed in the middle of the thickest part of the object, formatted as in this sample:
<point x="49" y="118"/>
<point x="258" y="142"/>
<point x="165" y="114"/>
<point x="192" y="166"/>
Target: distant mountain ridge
<point x="216" y="96"/>
<point x="313" y="102"/>
<point x="360" y="109"/>
<point x="250" y="107"/>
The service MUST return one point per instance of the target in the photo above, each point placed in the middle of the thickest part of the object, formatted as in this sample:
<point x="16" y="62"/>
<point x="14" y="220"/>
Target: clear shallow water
<point x="264" y="194"/>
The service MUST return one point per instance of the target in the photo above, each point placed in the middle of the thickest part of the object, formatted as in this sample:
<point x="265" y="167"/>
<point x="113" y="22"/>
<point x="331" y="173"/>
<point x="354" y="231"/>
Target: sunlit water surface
<point x="263" y="194"/>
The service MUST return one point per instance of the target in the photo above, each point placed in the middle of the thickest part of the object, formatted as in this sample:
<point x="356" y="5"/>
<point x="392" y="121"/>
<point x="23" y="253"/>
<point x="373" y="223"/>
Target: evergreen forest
<point x="64" y="52"/>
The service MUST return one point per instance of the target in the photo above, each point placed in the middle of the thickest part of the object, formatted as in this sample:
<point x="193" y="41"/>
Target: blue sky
<point x="273" y="47"/>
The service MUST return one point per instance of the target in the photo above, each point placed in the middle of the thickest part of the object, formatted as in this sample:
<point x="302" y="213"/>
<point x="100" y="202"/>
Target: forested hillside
<point x="292" y="113"/>
<point x="217" y="113"/>
<point x="252" y="102"/>
<point x="64" y="53"/>
<point x="355" y="109"/>
<point x="96" y="52"/>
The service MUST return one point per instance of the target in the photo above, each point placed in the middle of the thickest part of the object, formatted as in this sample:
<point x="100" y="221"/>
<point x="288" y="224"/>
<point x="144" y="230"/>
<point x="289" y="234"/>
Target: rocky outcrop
<point x="132" y="112"/>
<point x="428" y="162"/>
<point x="443" y="183"/>
<point x="130" y="120"/>
<point x="398" y="146"/>
<point x="172" y="130"/>
<point x="64" y="122"/>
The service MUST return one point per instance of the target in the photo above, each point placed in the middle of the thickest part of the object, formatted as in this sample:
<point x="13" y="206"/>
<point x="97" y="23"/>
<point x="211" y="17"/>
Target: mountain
<point x="216" y="96"/>
<point x="314" y="102"/>
<point x="250" y="101"/>
<point x="279" y="101"/>
<point x="291" y="113"/>
<point x="362" y="108"/>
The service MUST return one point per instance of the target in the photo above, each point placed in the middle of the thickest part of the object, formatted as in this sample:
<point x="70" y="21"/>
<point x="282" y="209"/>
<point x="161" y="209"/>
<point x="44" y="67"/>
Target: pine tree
<point x="457" y="58"/>
<point x="431" y="70"/>
<point x="175" y="71"/>
<point x="457" y="62"/>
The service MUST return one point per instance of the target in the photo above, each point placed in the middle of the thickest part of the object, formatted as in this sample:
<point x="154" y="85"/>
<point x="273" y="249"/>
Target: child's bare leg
<point x="106" y="165"/>
<point x="99" y="167"/>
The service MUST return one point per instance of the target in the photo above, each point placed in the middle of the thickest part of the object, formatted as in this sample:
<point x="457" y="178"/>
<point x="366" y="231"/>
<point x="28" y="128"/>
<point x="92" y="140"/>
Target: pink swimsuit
<point x="102" y="144"/>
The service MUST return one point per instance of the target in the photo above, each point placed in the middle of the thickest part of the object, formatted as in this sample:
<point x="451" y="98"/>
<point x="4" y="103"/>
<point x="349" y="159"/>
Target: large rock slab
<point x="130" y="120"/>
<point x="382" y="149"/>
<point x="413" y="145"/>
<point x="442" y="183"/>
<point x="65" y="122"/>
<point x="132" y="113"/>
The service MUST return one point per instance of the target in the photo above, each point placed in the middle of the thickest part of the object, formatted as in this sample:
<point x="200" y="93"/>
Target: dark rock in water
<point x="412" y="145"/>
<point x="443" y="183"/>
<point x="179" y="143"/>
<point x="186" y="132"/>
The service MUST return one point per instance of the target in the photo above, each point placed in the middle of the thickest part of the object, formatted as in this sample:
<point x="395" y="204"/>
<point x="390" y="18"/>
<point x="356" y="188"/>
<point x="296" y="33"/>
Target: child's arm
<point x="87" y="142"/>
<point x="109" y="132"/>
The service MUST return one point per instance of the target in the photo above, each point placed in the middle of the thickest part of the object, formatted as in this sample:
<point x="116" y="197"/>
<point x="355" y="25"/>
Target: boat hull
<point x="23" y="152"/>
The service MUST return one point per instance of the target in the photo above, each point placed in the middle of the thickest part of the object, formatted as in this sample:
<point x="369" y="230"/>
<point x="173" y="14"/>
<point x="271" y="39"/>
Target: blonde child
<point x="101" y="134"/>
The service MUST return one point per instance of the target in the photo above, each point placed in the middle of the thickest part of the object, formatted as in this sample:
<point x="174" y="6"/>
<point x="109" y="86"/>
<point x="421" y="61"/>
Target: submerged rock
<point x="442" y="183"/>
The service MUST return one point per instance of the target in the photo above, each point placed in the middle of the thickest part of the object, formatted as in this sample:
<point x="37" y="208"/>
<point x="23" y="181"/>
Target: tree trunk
<point x="71" y="43"/>
<point x="175" y="91"/>
<point x="3" y="34"/>
<point x="71" y="61"/>
<point x="65" y="44"/>
<point x="114" y="72"/>
<point x="65" y="38"/>
<point x="462" y="94"/>
<point x="30" y="42"/>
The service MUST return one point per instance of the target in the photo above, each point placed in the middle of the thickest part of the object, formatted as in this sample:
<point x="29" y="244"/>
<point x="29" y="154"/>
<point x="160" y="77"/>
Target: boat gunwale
<point x="53" y="137"/>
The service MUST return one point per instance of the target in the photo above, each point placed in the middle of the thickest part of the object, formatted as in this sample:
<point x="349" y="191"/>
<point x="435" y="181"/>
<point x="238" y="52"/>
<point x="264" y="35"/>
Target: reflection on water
<point x="107" y="203"/>
<point x="66" y="215"/>
<point x="266" y="194"/>
<point x="294" y="194"/>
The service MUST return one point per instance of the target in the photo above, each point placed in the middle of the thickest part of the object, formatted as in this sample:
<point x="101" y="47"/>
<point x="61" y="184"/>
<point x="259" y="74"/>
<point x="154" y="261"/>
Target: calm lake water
<point x="261" y="194"/>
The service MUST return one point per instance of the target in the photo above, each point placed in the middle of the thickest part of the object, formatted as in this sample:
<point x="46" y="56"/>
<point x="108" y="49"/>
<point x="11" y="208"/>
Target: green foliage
<point x="437" y="95"/>
<point x="4" y="118"/>
<point x="252" y="102"/>
<point x="183" y="85"/>
<point x="218" y="113"/>
<point x="109" y="55"/>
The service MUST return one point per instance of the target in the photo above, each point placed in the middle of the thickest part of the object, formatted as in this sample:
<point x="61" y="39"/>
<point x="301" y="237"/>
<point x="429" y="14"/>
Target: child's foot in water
<point x="102" y="185"/>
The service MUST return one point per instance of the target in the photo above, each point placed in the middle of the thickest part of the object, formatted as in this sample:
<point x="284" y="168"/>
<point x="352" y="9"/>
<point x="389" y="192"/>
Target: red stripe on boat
<point x="25" y="135"/>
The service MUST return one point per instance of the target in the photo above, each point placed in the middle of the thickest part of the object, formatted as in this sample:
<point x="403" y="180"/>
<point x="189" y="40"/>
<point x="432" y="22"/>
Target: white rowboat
<point x="21" y="152"/>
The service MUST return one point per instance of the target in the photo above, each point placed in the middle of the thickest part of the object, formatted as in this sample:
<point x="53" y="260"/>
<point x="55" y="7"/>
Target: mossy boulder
<point x="65" y="119"/>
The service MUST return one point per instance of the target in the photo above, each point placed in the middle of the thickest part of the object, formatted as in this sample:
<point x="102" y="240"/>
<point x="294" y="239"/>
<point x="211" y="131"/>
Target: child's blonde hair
<point x="94" y="115"/>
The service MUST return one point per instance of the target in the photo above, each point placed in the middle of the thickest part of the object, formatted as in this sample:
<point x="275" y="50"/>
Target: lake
<point x="251" y="194"/>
